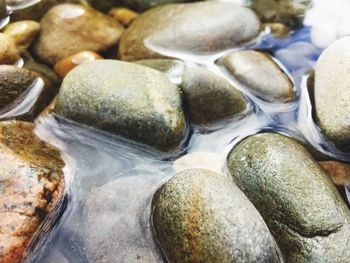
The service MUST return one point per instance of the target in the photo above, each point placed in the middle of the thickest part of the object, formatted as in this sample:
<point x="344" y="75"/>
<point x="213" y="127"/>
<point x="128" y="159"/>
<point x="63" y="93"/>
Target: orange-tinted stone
<point x="337" y="171"/>
<point x="123" y="15"/>
<point x="65" y="65"/>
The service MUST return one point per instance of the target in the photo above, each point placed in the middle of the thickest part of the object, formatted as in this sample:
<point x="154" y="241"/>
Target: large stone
<point x="31" y="187"/>
<point x="18" y="86"/>
<point x="126" y="99"/>
<point x="116" y="226"/>
<point x="68" y="28"/>
<point x="209" y="98"/>
<point x="299" y="203"/>
<point x="200" y="216"/>
<point x="332" y="92"/>
<point x="260" y="74"/>
<point x="191" y="27"/>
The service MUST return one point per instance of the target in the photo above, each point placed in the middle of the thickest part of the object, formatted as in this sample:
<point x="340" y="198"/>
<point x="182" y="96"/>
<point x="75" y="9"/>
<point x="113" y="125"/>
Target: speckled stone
<point x="260" y="74"/>
<point x="200" y="216"/>
<point x="190" y="27"/>
<point x="31" y="186"/>
<point x="126" y="99"/>
<point x="332" y="92"/>
<point x="297" y="200"/>
<point x="70" y="28"/>
<point x="15" y="84"/>
<point x="209" y="98"/>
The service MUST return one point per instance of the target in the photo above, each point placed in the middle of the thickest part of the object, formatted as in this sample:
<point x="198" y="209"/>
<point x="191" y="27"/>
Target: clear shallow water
<point x="95" y="158"/>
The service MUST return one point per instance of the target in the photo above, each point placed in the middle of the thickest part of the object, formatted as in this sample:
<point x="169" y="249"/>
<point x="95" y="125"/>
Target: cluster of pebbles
<point x="121" y="67"/>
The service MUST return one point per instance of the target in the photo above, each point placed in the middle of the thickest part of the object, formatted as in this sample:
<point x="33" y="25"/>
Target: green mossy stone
<point x="126" y="99"/>
<point x="297" y="200"/>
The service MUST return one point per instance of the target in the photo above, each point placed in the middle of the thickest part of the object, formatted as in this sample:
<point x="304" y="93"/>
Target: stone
<point x="278" y="30"/>
<point x="126" y="99"/>
<point x="299" y="203"/>
<point x="260" y="74"/>
<point x="116" y="221"/>
<point x="209" y="98"/>
<point x="190" y="27"/>
<point x="32" y="189"/>
<point x="147" y="4"/>
<point x="332" y="92"/>
<point x="69" y="28"/>
<point x="200" y="216"/>
<point x="64" y="66"/>
<point x="15" y="87"/>
<point x="23" y="32"/>
<point x="123" y="15"/>
<point x="338" y="172"/>
<point x="9" y="54"/>
<point x="31" y="64"/>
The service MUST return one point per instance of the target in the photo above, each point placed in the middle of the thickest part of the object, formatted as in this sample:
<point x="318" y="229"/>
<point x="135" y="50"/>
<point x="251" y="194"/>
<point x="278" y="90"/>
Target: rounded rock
<point x="126" y="99"/>
<point x="260" y="74"/>
<point x="69" y="28"/>
<point x="23" y="32"/>
<point x="299" y="203"/>
<point x="209" y="98"/>
<point x="332" y="92"/>
<point x="200" y="216"/>
<point x="123" y="15"/>
<point x="190" y="27"/>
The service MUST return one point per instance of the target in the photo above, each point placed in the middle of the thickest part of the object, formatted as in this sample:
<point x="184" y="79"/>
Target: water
<point x="96" y="159"/>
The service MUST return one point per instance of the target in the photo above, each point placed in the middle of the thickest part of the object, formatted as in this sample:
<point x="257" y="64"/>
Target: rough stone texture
<point x="114" y="222"/>
<point x="200" y="216"/>
<point x="15" y="83"/>
<point x="126" y="99"/>
<point x="68" y="28"/>
<point x="210" y="98"/>
<point x="191" y="27"/>
<point x="260" y="74"/>
<point x="23" y="32"/>
<point x="299" y="203"/>
<point x="31" y="186"/>
<point x="8" y="51"/>
<point x="332" y="92"/>
<point x="338" y="172"/>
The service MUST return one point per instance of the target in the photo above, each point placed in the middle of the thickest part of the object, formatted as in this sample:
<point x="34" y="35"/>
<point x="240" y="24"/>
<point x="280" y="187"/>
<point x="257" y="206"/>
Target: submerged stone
<point x="338" y="172"/>
<point x="332" y="92"/>
<point x="69" y="28"/>
<point x="200" y="216"/>
<point x="209" y="98"/>
<point x="16" y="85"/>
<point x="31" y="187"/>
<point x="193" y="27"/>
<point x="297" y="200"/>
<point x="260" y="74"/>
<point x="123" y="15"/>
<point x="114" y="218"/>
<point x="126" y="99"/>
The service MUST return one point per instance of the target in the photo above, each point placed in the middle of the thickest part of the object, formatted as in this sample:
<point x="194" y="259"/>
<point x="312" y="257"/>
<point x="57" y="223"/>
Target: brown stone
<point x="337" y="171"/>
<point x="123" y="15"/>
<point x="31" y="186"/>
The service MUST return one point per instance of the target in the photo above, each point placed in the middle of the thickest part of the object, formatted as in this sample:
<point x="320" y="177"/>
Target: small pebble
<point x="8" y="51"/>
<point x="22" y="32"/>
<point x="64" y="66"/>
<point x="123" y="15"/>
<point x="338" y="172"/>
<point x="278" y="30"/>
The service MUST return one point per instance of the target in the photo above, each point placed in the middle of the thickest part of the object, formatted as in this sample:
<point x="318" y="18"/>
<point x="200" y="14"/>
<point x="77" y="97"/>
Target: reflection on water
<point x="108" y="204"/>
